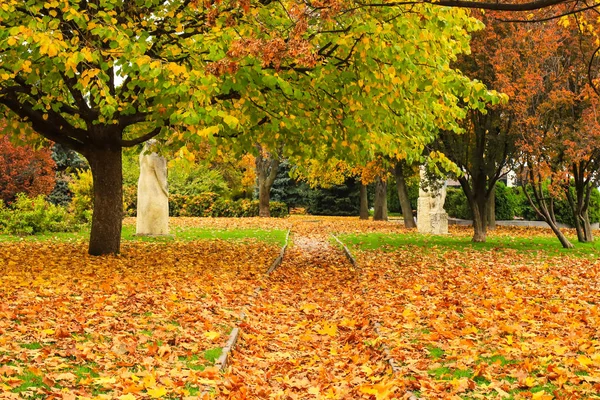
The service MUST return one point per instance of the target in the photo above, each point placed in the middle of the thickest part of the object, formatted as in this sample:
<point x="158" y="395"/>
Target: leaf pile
<point x="308" y="335"/>
<point x="488" y="324"/>
<point x="145" y="323"/>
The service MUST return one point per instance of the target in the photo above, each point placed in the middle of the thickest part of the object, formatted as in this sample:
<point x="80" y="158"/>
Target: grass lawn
<point x="178" y="233"/>
<point x="530" y="241"/>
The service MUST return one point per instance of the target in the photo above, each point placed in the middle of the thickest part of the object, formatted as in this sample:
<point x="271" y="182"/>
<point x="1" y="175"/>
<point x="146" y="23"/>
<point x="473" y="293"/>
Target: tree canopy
<point x="97" y="76"/>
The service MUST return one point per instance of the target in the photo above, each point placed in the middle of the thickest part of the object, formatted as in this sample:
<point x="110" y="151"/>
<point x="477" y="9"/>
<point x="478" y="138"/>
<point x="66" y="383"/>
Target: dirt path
<point x="308" y="335"/>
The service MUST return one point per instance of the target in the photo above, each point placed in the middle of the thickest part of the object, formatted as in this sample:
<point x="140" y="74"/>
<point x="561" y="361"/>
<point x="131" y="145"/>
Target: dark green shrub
<point x="393" y="201"/>
<point x="337" y="200"/>
<point x="506" y="202"/>
<point x="130" y="200"/>
<point x="456" y="204"/>
<point x="278" y="209"/>
<point x="562" y="210"/>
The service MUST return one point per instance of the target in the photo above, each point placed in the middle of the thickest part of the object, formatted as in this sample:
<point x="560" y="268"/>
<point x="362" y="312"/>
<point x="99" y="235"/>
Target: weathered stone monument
<point x="431" y="216"/>
<point x="153" y="196"/>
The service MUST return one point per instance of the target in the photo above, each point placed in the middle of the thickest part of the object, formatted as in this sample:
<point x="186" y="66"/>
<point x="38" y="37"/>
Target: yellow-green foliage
<point x="83" y="193"/>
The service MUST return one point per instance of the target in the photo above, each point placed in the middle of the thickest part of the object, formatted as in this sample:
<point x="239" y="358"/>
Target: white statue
<point x="431" y="216"/>
<point x="438" y="198"/>
<point x="153" y="196"/>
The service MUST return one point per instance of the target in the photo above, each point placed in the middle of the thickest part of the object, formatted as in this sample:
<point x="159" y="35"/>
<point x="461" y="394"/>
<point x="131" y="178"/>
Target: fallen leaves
<point x="149" y="323"/>
<point x="145" y="323"/>
<point x="483" y="323"/>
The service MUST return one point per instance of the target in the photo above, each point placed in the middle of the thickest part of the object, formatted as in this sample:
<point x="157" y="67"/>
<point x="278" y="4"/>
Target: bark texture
<point x="266" y="172"/>
<point x="402" y="189"/>
<point x="364" y="202"/>
<point x="380" y="213"/>
<point x="107" y="171"/>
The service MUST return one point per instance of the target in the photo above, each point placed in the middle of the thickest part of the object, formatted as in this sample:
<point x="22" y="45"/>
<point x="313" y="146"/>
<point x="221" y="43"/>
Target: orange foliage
<point x="24" y="170"/>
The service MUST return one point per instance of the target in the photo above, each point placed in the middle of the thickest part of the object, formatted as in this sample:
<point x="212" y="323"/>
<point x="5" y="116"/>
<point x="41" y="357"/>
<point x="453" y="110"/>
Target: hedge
<point x="205" y="205"/>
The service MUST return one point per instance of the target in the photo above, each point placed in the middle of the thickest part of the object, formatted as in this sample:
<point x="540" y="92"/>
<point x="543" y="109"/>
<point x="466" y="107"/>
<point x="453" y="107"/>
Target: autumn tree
<point x="24" y="170"/>
<point x="560" y="142"/>
<point x="97" y="77"/>
<point x="486" y="149"/>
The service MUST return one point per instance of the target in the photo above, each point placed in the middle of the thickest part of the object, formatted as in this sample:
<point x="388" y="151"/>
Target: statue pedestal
<point x="438" y="223"/>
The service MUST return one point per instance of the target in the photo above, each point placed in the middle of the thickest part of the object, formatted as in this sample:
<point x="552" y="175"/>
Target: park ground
<point x="423" y="316"/>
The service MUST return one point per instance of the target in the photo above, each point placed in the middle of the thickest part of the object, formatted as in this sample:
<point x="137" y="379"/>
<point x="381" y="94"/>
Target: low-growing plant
<point x="82" y="188"/>
<point x="30" y="216"/>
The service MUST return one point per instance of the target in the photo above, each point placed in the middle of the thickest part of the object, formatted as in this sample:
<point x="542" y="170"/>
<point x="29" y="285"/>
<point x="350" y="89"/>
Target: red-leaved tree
<point x="24" y="170"/>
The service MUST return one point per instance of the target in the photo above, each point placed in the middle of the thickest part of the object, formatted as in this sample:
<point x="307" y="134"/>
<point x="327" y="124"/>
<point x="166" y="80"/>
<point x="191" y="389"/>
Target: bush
<point x="506" y="202"/>
<point x="337" y="200"/>
<point x="28" y="216"/>
<point x="24" y="170"/>
<point x="456" y="204"/>
<point x="209" y="205"/>
<point x="82" y="204"/>
<point x="130" y="200"/>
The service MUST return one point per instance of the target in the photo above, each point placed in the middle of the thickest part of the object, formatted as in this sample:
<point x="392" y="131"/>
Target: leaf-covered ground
<point x="144" y="324"/>
<point x="488" y="323"/>
<point x="308" y="334"/>
<point x="504" y="321"/>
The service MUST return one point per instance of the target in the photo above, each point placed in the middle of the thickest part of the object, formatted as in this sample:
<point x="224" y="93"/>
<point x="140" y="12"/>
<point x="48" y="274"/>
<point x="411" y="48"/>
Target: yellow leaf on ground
<point x="157" y="392"/>
<point x="211" y="335"/>
<point x="328" y="329"/>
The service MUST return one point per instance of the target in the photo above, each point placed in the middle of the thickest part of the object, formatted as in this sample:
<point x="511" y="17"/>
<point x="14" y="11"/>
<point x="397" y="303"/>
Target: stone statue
<point x="153" y="196"/>
<point x="438" y="198"/>
<point x="431" y="216"/>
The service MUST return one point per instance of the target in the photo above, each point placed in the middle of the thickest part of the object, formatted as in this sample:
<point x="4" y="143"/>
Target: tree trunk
<point x="545" y="210"/>
<point x="476" y="196"/>
<point x="264" y="197"/>
<point x="107" y="171"/>
<point x="479" y="222"/>
<point x="587" y="227"/>
<point x="364" y="202"/>
<point x="491" y="210"/>
<point x="380" y="213"/>
<point x="575" y="210"/>
<point x="266" y="172"/>
<point x="409" y="220"/>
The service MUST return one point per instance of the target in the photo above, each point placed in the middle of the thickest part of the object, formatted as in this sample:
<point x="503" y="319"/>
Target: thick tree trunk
<point x="380" y="213"/>
<point x="491" y="210"/>
<point x="479" y="222"/>
<point x="107" y="171"/>
<point x="409" y="220"/>
<point x="266" y="172"/>
<point x="264" y="197"/>
<point x="364" y="202"/>
<point x="476" y="196"/>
